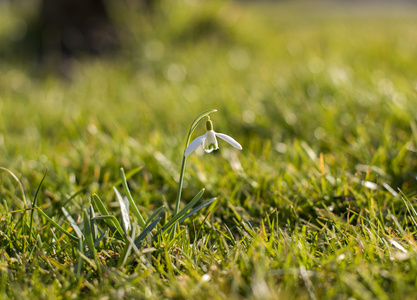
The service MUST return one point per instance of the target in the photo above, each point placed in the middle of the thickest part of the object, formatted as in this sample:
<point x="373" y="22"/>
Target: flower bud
<point x="209" y="125"/>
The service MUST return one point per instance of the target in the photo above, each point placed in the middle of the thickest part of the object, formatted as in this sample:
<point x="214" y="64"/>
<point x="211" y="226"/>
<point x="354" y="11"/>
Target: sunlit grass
<point x="320" y="202"/>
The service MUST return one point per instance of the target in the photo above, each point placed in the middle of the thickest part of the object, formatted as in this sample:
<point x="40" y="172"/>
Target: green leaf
<point x="34" y="204"/>
<point x="156" y="212"/>
<point x="74" y="225"/>
<point x="183" y="211"/>
<point x="56" y="225"/>
<point x="128" y="175"/>
<point x="129" y="197"/>
<point x="111" y="219"/>
<point x="80" y="259"/>
<point x="124" y="208"/>
<point x="145" y="232"/>
<point x="89" y="261"/>
<point x="76" y="193"/>
<point x="126" y="250"/>
<point x="196" y="209"/>
<point x="97" y="242"/>
<point x="88" y="234"/>
<point x="25" y="202"/>
<point x="103" y="211"/>
<point x="93" y="224"/>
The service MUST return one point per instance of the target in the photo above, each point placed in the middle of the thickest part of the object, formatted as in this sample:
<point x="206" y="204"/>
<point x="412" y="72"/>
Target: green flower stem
<point x="184" y="158"/>
<point x="178" y="199"/>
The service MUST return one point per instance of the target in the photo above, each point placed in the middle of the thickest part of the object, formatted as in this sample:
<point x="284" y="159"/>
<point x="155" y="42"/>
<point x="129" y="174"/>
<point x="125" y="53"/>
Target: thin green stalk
<point x="178" y="200"/>
<point x="34" y="205"/>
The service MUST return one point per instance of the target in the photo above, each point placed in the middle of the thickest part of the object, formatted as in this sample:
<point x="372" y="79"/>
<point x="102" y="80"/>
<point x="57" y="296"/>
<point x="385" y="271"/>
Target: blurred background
<point x="89" y="85"/>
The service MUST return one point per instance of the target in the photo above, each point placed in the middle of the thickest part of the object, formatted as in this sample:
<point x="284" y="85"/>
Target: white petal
<point x="194" y="144"/>
<point x="210" y="143"/>
<point x="230" y="140"/>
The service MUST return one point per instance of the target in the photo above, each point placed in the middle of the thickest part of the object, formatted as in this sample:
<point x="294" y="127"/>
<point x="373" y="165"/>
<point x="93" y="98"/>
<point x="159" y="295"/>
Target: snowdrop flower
<point x="209" y="140"/>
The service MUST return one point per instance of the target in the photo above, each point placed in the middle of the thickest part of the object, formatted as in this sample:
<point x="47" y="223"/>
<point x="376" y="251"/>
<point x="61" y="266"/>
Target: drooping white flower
<point x="209" y="140"/>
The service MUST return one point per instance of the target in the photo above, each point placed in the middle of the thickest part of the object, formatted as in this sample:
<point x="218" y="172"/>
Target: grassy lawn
<point x="320" y="203"/>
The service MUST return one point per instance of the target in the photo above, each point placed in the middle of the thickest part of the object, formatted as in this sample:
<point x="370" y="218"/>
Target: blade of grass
<point x="97" y="242"/>
<point x="76" y="193"/>
<point x="88" y="234"/>
<point x="196" y="209"/>
<point x="183" y="211"/>
<point x="124" y="208"/>
<point x="89" y="261"/>
<point x="74" y="238"/>
<point x="19" y="183"/>
<point x="128" y="175"/>
<point x="93" y="224"/>
<point x="131" y="201"/>
<point x="103" y="211"/>
<point x="74" y="225"/>
<point x="126" y="251"/>
<point x="145" y="232"/>
<point x="34" y="204"/>
<point x="156" y="212"/>
<point x="112" y="220"/>
<point x="80" y="260"/>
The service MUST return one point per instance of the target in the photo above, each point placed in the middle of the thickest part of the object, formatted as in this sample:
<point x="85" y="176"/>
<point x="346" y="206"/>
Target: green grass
<point x="319" y="204"/>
